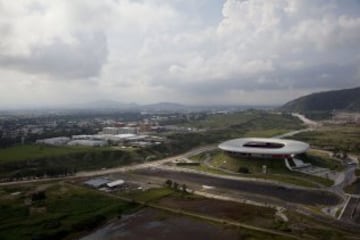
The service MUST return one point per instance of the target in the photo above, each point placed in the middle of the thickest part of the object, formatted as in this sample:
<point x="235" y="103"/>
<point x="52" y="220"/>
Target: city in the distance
<point x="196" y="119"/>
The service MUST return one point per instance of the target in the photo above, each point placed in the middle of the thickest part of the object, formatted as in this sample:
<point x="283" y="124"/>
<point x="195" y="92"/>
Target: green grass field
<point x="149" y="195"/>
<point x="224" y="120"/>
<point x="276" y="169"/>
<point x="322" y="159"/>
<point x="251" y="120"/>
<point x="223" y="160"/>
<point x="39" y="160"/>
<point x="233" y="125"/>
<point x="28" y="152"/>
<point x="334" y="137"/>
<point x="265" y="133"/>
<point x="354" y="188"/>
<point x="66" y="210"/>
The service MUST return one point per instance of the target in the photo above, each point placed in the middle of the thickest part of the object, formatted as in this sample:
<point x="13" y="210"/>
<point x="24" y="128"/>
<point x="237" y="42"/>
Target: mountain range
<point x="343" y="100"/>
<point x="112" y="105"/>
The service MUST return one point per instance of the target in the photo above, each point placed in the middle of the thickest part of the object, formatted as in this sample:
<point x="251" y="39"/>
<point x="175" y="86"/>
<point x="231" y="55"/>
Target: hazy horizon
<point x="113" y="104"/>
<point x="195" y="52"/>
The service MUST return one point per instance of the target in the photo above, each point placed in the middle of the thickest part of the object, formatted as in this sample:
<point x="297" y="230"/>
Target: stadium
<point x="264" y="147"/>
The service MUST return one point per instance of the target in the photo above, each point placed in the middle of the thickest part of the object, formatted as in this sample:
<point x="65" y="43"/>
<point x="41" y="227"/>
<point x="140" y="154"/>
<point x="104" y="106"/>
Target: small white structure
<point x="140" y="144"/>
<point x="125" y="136"/>
<point x="54" y="141"/>
<point x="115" y="183"/>
<point x="97" y="182"/>
<point x="91" y="143"/>
<point x="119" y="130"/>
<point x="81" y="137"/>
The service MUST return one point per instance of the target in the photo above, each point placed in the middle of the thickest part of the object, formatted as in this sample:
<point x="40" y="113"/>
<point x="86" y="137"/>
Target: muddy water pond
<point x="155" y="224"/>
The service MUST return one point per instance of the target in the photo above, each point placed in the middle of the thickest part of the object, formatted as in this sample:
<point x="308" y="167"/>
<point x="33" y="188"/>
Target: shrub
<point x="244" y="170"/>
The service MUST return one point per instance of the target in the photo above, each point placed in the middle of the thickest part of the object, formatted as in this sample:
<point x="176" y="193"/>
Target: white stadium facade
<point x="264" y="147"/>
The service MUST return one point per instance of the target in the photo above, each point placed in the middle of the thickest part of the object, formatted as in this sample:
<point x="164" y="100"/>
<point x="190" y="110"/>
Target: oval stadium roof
<point x="264" y="146"/>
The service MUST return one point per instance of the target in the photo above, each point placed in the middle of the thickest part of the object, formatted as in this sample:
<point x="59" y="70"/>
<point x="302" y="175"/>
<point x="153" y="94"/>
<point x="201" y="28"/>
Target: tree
<point x="37" y="196"/>
<point x="175" y="186"/>
<point x="244" y="170"/>
<point x="168" y="183"/>
<point x="184" y="188"/>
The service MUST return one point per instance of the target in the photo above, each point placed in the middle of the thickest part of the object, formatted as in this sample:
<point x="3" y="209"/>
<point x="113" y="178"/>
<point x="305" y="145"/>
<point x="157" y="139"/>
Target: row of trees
<point x="66" y="164"/>
<point x="40" y="173"/>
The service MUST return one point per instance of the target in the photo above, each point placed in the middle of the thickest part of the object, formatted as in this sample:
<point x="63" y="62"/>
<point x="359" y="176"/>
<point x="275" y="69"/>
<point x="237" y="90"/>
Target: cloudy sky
<point x="188" y="51"/>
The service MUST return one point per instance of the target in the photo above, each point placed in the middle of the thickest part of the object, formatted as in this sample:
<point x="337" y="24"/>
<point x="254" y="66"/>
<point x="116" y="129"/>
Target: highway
<point x="352" y="211"/>
<point x="117" y="169"/>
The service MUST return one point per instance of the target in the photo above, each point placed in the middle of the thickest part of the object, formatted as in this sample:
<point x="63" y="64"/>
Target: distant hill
<point x="107" y="104"/>
<point x="346" y="99"/>
<point x="165" y="106"/>
<point x="112" y="105"/>
<point x="161" y="107"/>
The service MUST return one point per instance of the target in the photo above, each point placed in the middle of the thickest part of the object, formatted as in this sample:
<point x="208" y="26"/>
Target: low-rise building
<point x="119" y="130"/>
<point x="54" y="141"/>
<point x="115" y="183"/>
<point x="97" y="182"/>
<point x="90" y="143"/>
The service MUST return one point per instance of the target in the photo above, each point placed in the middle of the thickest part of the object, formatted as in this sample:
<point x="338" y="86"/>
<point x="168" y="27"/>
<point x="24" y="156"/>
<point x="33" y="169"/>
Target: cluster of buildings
<point x="18" y="130"/>
<point x="136" y="134"/>
<point x="93" y="130"/>
<point x="147" y="128"/>
<point x="346" y="117"/>
<point x="114" y="136"/>
<point x="107" y="184"/>
<point x="28" y="129"/>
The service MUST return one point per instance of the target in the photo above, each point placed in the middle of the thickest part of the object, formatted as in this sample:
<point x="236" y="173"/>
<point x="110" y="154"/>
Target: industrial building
<point x="86" y="142"/>
<point x="57" y="141"/>
<point x="115" y="183"/>
<point x="119" y="130"/>
<point x="97" y="182"/>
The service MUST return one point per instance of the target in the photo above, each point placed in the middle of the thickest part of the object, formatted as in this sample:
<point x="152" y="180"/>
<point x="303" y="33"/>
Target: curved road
<point x="115" y="170"/>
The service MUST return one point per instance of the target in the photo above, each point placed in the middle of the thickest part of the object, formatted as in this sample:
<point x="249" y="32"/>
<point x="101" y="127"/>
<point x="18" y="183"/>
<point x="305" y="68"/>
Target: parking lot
<point x="352" y="211"/>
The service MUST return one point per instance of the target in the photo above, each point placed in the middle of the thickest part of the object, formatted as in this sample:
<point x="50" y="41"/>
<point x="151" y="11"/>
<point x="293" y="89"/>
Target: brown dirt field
<point x="244" y="213"/>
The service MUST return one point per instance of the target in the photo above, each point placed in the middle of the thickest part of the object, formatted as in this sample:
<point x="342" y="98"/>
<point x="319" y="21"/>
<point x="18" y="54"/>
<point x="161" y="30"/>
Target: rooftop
<point x="264" y="146"/>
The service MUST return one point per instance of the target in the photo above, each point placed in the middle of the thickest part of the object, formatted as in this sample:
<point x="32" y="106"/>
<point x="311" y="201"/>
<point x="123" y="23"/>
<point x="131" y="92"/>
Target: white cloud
<point x="180" y="51"/>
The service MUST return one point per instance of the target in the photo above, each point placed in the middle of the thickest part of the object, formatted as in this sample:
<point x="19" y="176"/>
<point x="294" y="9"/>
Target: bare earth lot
<point x="259" y="216"/>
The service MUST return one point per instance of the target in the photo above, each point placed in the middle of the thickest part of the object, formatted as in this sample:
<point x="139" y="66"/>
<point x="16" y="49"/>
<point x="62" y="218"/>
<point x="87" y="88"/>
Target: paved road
<point x="306" y="120"/>
<point x="116" y="170"/>
<point x="352" y="211"/>
<point x="293" y="195"/>
<point x="310" y="123"/>
<point x="345" y="177"/>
